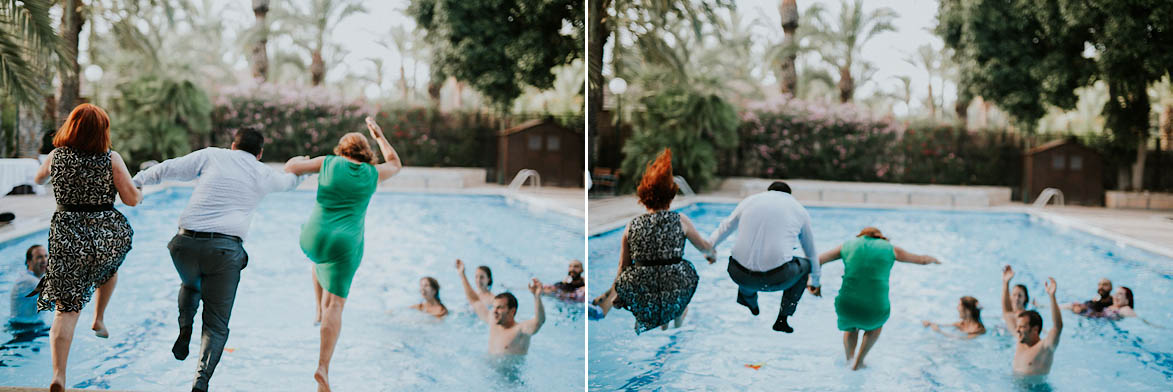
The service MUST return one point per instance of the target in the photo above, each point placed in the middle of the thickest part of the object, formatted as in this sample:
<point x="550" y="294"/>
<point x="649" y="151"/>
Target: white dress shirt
<point x="772" y="225"/>
<point x="24" y="309"/>
<point x="231" y="183"/>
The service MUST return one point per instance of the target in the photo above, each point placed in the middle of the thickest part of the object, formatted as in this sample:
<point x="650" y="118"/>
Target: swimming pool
<point x="719" y="338"/>
<point x="273" y="343"/>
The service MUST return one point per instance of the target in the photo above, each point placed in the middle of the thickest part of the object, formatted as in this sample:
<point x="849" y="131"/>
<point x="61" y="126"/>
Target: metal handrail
<point x="1046" y="195"/>
<point x="522" y="175"/>
<point x="683" y="185"/>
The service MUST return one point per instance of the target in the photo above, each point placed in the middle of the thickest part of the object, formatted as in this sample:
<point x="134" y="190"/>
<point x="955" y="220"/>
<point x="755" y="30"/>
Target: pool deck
<point x="33" y="212"/>
<point x="1145" y="229"/>
<point x="32" y="389"/>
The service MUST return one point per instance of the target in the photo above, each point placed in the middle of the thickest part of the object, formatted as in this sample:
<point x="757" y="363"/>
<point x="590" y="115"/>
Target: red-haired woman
<point x="88" y="238"/>
<point x="862" y="303"/>
<point x="333" y="236"/>
<point x="654" y="281"/>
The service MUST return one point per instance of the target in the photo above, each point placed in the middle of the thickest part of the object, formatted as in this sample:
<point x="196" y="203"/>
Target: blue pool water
<point x="720" y="337"/>
<point x="384" y="346"/>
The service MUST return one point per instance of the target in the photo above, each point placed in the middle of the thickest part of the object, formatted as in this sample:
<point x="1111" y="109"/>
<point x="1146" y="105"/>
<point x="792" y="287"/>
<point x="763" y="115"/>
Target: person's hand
<point x="711" y="257"/>
<point x="535" y="286"/>
<point x="460" y="266"/>
<point x="933" y="260"/>
<point x="376" y="132"/>
<point x="816" y="290"/>
<point x="1050" y="285"/>
<point x="1007" y="274"/>
<point x="926" y="323"/>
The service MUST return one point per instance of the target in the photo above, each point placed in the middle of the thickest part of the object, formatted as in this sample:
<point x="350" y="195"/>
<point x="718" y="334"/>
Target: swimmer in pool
<point x="1094" y="306"/>
<point x="506" y="335"/>
<point x="430" y="290"/>
<point x="971" y="320"/>
<point x="1014" y="302"/>
<point x="1033" y="355"/>
<point x="484" y="278"/>
<point x="572" y="288"/>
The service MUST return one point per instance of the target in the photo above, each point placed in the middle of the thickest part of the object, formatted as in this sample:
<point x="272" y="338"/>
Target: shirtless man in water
<point x="506" y="335"/>
<point x="1032" y="355"/>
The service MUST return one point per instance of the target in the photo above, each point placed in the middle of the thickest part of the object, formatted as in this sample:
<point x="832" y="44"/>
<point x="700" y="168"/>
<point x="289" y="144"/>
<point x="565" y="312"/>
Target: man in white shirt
<point x="208" y="251"/>
<point x="771" y="223"/>
<point x="24" y="307"/>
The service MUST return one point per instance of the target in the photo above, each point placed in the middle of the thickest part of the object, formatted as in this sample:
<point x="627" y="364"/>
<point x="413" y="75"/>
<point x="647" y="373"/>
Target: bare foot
<point x="100" y="329"/>
<point x="321" y="377"/>
<point x="857" y="365"/>
<point x="57" y="386"/>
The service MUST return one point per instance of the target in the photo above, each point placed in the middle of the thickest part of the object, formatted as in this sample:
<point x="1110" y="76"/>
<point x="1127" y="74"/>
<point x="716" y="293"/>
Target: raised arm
<point x="531" y="326"/>
<point x="1007" y="308"/>
<point x="473" y="299"/>
<point x="727" y="226"/>
<point x="391" y="163"/>
<point x="185" y="168"/>
<point x="909" y="257"/>
<point x="695" y="238"/>
<point x="43" y="172"/>
<point x="129" y="194"/>
<point x="1056" y="315"/>
<point x="304" y="165"/>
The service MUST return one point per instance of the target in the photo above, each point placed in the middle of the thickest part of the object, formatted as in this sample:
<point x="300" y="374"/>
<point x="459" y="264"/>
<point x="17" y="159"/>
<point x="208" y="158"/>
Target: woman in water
<point x="88" y="238"/>
<point x="1121" y="305"/>
<point x="333" y="236"/>
<point x="862" y="303"/>
<point x="430" y="290"/>
<point x="654" y="281"/>
<point x="971" y="320"/>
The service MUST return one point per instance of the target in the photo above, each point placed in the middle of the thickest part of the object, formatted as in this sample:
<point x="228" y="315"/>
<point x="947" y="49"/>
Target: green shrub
<point x="695" y="126"/>
<point x="158" y="118"/>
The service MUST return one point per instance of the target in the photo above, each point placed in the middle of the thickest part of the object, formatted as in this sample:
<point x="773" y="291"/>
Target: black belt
<point x="737" y="265"/>
<point x="85" y="207"/>
<point x="206" y="234"/>
<point x="656" y="262"/>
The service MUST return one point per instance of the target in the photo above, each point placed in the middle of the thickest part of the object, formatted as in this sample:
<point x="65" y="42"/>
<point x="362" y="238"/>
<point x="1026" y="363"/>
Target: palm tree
<point x="322" y="17"/>
<point x="259" y="54"/>
<point x="28" y="46"/>
<point x="840" y="42"/>
<point x="789" y="74"/>
<point x="929" y="60"/>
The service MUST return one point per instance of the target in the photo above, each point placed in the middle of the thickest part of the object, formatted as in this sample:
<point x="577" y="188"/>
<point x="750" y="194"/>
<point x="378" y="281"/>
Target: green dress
<point x="333" y="236"/>
<point x="862" y="302"/>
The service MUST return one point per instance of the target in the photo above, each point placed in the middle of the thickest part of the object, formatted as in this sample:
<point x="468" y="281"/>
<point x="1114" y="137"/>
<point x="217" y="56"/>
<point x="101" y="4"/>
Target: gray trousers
<point x="790" y="278"/>
<point x="209" y="269"/>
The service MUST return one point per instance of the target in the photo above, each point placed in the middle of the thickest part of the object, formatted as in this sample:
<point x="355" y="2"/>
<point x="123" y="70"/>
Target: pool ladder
<point x="522" y="175"/>
<point x="1046" y="195"/>
<point x="683" y="185"/>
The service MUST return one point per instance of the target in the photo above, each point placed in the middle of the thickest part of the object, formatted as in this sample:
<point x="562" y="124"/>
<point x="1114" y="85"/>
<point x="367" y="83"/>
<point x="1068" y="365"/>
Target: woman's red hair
<point x="87" y="129"/>
<point x="355" y="146"/>
<point x="656" y="188"/>
<point x="871" y="232"/>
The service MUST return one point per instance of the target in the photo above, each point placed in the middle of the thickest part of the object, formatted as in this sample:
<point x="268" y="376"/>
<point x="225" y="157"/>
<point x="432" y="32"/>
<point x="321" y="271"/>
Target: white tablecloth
<point x="15" y="172"/>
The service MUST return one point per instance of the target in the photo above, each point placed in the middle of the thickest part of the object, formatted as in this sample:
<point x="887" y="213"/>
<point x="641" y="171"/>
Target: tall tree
<point x="840" y="41"/>
<point x="321" y="18"/>
<point x="789" y="81"/>
<point x="1023" y="55"/>
<point x="72" y="19"/>
<point x="499" y="45"/>
<point x="930" y="61"/>
<point x="259" y="53"/>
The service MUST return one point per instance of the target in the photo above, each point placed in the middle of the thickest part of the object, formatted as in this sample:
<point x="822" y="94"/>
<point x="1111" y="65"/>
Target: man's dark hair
<point x="28" y="254"/>
<point x="510" y="300"/>
<point x="1033" y="319"/>
<point x="249" y="139"/>
<point x="1025" y="295"/>
<point x="779" y="186"/>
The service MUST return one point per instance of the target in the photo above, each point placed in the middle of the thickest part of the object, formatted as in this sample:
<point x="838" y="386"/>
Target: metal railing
<point x="683" y="185"/>
<point x="1046" y="195"/>
<point x="522" y="176"/>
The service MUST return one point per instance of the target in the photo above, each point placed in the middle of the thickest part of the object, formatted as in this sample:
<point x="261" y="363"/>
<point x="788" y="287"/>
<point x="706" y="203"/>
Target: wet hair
<point x="1033" y="319"/>
<point x="435" y="286"/>
<point x="250" y="140"/>
<point x="87" y="129"/>
<point x="1025" y="294"/>
<point x="488" y="272"/>
<point x="510" y="300"/>
<point x="1128" y="295"/>
<point x="779" y="186"/>
<point x="970" y="304"/>
<point x="355" y="146"/>
<point x="657" y="188"/>
<point x="28" y="257"/>
<point x="871" y="232"/>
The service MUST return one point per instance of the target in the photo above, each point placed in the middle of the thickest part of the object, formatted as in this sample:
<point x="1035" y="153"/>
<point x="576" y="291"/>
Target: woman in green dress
<point x="333" y="236"/>
<point x="862" y="303"/>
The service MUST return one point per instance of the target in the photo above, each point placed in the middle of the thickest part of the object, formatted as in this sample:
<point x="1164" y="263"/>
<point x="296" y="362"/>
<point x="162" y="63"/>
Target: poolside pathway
<point x="32" y="389"/>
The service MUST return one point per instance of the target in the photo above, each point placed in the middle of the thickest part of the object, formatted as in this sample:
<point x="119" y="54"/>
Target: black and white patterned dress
<point x="85" y="248"/>
<point x="659" y="291"/>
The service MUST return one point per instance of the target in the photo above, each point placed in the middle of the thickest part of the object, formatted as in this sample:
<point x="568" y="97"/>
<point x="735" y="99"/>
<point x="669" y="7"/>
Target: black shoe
<point x="181" y="343"/>
<point x="752" y="308"/>
<point x="782" y="326"/>
<point x="194" y="389"/>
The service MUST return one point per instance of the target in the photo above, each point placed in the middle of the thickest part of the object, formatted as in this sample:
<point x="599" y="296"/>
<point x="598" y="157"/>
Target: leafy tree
<point x="499" y="45"/>
<point x="322" y="17"/>
<point x="840" y="42"/>
<point x="27" y="40"/>
<point x="158" y="118"/>
<point x="694" y="125"/>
